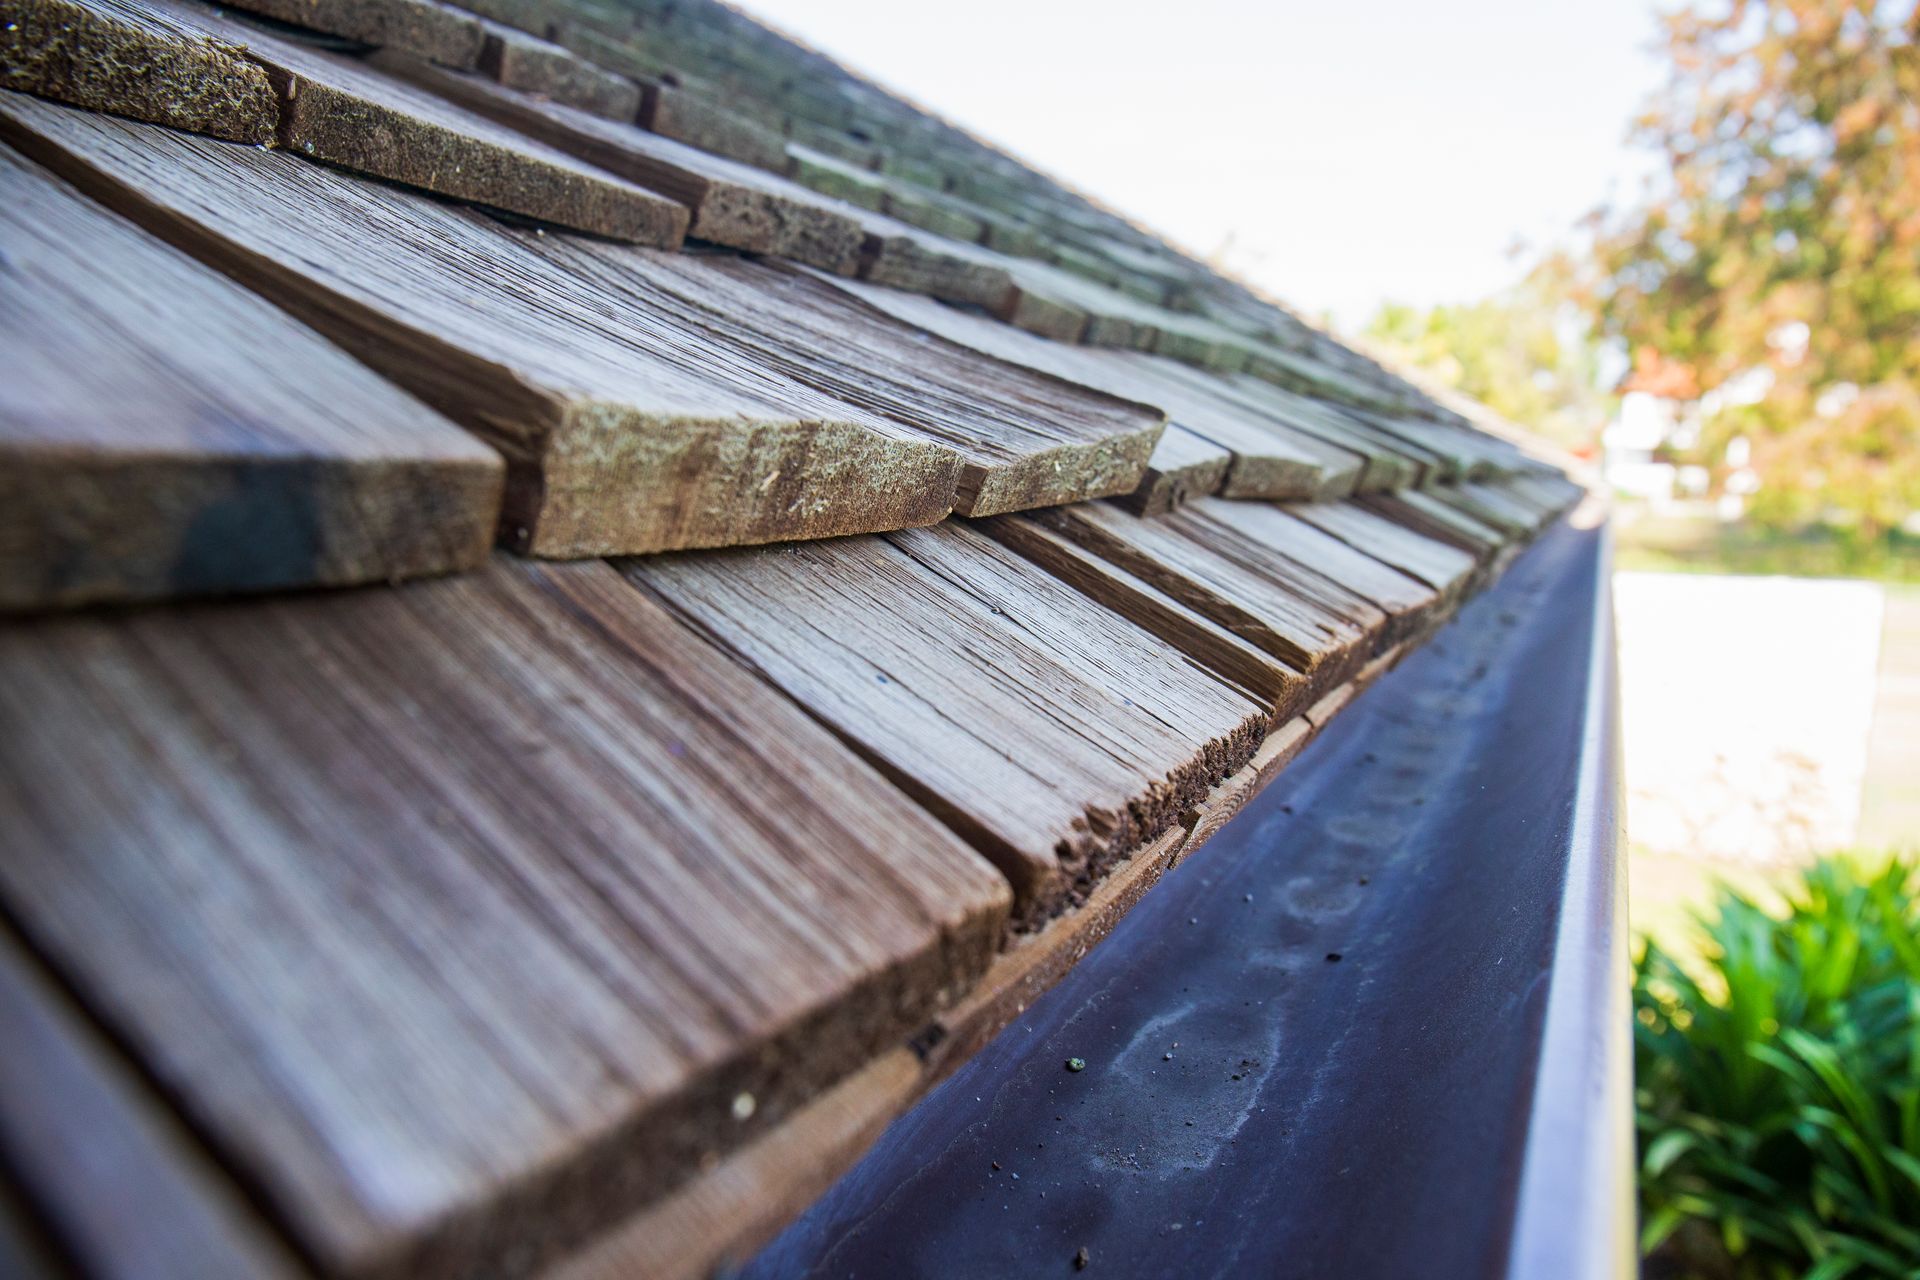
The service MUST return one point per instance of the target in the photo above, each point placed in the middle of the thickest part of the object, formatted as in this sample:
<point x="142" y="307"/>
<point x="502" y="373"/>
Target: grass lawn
<point x="1691" y="543"/>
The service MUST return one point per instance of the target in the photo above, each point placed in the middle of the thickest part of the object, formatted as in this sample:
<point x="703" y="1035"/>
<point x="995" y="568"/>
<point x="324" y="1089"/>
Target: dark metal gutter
<point x="1377" y="1027"/>
<point x="1575" y="1217"/>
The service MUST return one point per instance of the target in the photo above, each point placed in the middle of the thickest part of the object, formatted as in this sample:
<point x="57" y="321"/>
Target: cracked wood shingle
<point x="165" y="432"/>
<point x="1314" y="625"/>
<point x="625" y="429"/>
<point x="1279" y="688"/>
<point x="465" y="918"/>
<point x="1050" y="731"/>
<point x="732" y="204"/>
<point x="1264" y="535"/>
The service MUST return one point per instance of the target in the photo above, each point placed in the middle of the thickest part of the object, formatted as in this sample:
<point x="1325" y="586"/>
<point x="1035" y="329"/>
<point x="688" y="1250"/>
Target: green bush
<point x="1777" y="1085"/>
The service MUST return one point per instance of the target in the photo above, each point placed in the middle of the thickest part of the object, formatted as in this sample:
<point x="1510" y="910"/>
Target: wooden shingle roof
<point x="793" y="577"/>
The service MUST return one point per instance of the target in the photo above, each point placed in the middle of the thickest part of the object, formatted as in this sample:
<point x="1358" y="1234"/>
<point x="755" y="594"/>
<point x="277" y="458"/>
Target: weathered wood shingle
<point x="422" y="28"/>
<point x="1052" y="732"/>
<point x="165" y="432"/>
<point x="1254" y="454"/>
<point x="625" y="429"/>
<point x="1027" y="439"/>
<point x="731" y="203"/>
<point x="464" y="917"/>
<point x="126" y="57"/>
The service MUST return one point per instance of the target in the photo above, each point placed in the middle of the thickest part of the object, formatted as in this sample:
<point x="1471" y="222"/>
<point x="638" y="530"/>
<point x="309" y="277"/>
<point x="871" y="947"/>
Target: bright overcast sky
<point x="1344" y="152"/>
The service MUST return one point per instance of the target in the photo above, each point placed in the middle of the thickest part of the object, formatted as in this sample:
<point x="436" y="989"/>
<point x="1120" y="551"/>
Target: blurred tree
<point x="1780" y="261"/>
<point x="1529" y="354"/>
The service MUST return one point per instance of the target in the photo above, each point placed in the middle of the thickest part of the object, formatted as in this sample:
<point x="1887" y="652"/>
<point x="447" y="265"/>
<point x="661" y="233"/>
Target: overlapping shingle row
<point x="582" y="917"/>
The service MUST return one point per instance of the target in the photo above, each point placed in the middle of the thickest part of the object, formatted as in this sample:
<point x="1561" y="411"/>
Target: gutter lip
<point x="1576" y="1213"/>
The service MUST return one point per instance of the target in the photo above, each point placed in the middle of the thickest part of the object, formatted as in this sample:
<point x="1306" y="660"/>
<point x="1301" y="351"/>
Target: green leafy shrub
<point x="1778" y="1084"/>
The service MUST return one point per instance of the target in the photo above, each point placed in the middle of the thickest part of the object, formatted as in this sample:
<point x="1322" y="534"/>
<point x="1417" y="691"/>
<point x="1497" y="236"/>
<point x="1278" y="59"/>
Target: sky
<point x="1341" y="153"/>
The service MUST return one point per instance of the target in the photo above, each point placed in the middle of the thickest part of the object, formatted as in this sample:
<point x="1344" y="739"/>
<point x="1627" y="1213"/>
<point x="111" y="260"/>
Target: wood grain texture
<point x="532" y="65"/>
<point x="728" y="1211"/>
<point x="165" y="432"/>
<point x="1222" y="446"/>
<point x="1264" y="535"/>
<point x="1370" y="465"/>
<point x="1431" y="518"/>
<point x="730" y="203"/>
<point x="339" y="110"/>
<point x="1313" y="625"/>
<point x="1440" y="565"/>
<point x="1026" y="439"/>
<point x="117" y="1181"/>
<point x="464" y="918"/>
<point x="624" y="429"/>
<point x="1050" y="731"/>
<point x="125" y="57"/>
<point x="1267" y="680"/>
<point x="423" y="28"/>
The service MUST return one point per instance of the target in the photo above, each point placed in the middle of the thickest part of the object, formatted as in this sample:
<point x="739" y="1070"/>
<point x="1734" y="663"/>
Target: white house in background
<point x="1645" y="423"/>
<point x="1661" y="409"/>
